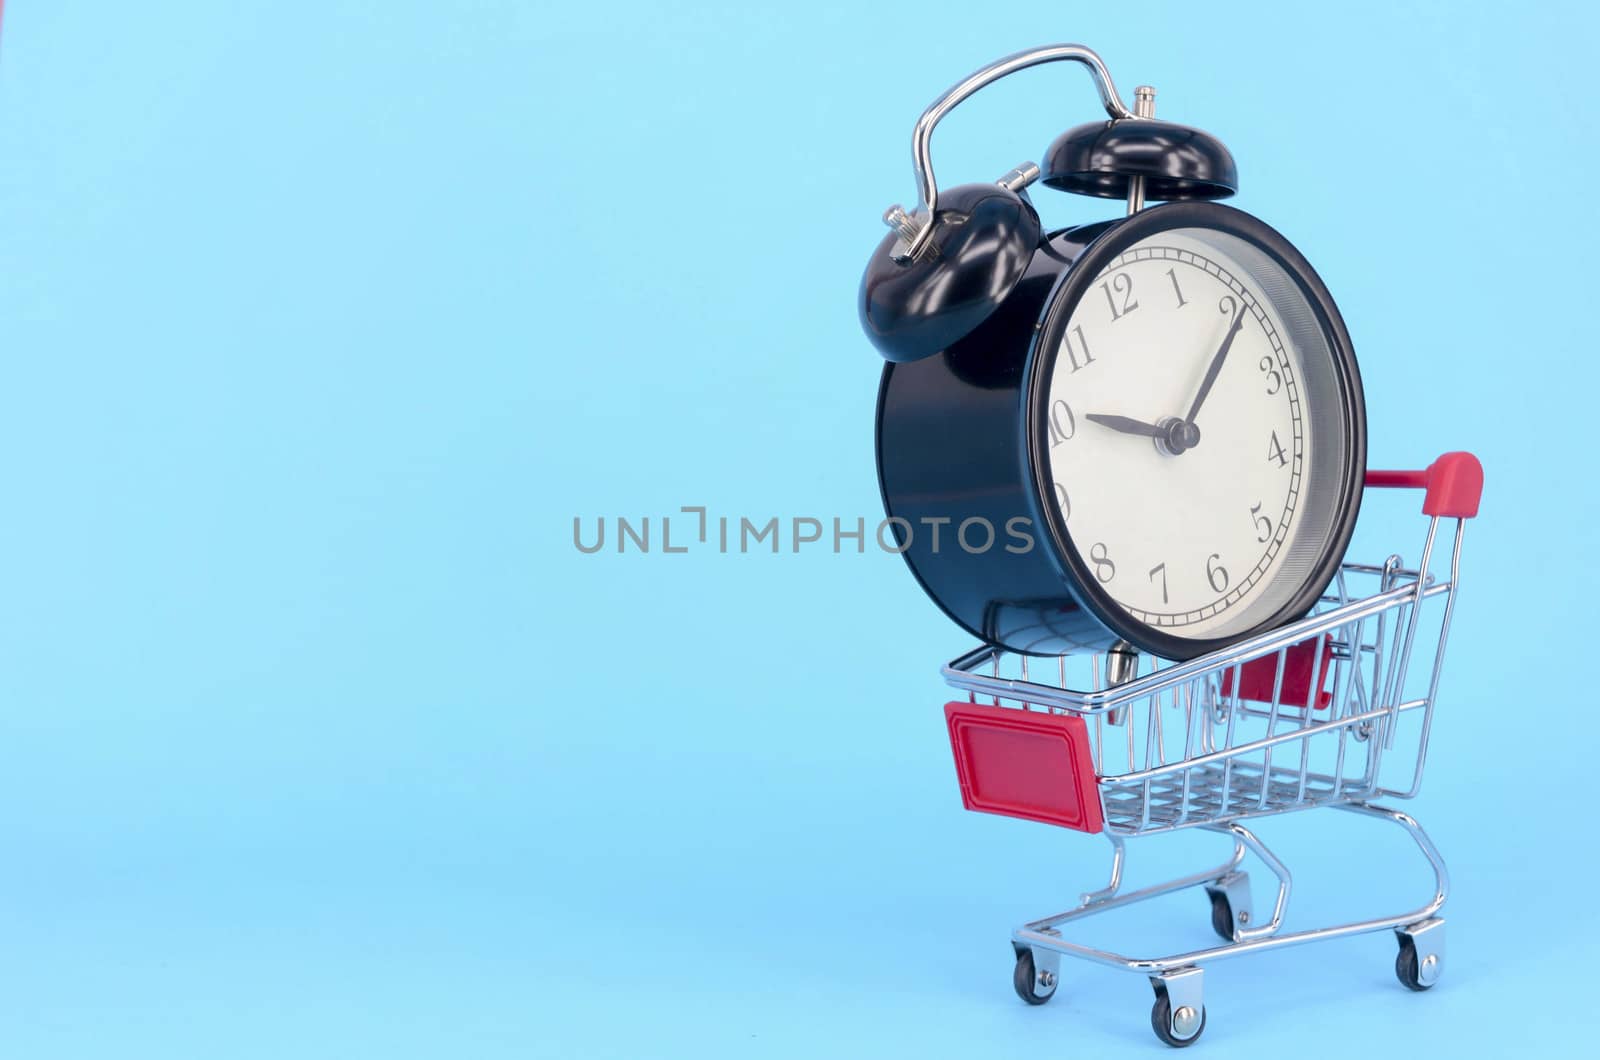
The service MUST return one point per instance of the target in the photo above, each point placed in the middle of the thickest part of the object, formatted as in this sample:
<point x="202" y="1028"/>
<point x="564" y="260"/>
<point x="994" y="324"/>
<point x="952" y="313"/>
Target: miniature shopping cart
<point x="1317" y="713"/>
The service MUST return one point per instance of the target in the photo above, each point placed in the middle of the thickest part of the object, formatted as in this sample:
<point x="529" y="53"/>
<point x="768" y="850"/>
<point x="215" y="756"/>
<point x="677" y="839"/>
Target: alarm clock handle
<point x="922" y="135"/>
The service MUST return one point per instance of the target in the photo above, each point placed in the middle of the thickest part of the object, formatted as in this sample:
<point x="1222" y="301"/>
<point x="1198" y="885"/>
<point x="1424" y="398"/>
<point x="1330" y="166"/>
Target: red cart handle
<point x="1454" y="483"/>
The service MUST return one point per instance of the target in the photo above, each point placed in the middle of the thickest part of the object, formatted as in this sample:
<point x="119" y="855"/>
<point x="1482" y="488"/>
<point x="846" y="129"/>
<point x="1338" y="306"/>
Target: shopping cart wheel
<point x="1407" y="970"/>
<point x="1230" y="904"/>
<point x="1221" y="916"/>
<point x="1179" y="1014"/>
<point x="1161" y="1021"/>
<point x="1034" y="985"/>
<point x="1421" y="957"/>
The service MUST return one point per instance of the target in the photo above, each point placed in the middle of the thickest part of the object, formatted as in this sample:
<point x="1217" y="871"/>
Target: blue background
<point x="321" y="322"/>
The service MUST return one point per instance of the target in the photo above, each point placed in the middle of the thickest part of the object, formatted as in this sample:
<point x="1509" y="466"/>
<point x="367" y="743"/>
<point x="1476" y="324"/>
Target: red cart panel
<point x="1025" y="764"/>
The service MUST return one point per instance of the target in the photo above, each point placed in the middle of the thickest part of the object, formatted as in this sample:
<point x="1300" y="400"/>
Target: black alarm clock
<point x="1143" y="434"/>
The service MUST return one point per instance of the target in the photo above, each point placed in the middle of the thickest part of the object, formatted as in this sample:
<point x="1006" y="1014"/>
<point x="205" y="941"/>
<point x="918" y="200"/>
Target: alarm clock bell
<point x="1108" y="158"/>
<point x="915" y="304"/>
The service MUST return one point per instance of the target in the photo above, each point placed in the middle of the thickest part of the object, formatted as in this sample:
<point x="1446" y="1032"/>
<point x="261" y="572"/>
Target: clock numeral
<point x="1173" y="275"/>
<point x="1122" y="284"/>
<point x="1072" y="355"/>
<point x="1104" y="569"/>
<point x="1062" y="501"/>
<point x="1263" y="522"/>
<point x="1216" y="573"/>
<point x="1275" y="451"/>
<point x="1274" y="380"/>
<point x="1161" y="569"/>
<point x="1063" y="425"/>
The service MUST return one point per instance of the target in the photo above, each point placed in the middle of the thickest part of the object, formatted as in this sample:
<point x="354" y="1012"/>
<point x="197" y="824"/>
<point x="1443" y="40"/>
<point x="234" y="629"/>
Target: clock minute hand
<point x="1216" y="365"/>
<point x="1126" y="425"/>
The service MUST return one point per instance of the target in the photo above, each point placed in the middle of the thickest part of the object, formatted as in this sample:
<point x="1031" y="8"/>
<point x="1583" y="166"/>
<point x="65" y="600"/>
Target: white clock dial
<point x="1181" y="479"/>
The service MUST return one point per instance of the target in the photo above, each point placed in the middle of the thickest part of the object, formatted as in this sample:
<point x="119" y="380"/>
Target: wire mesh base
<point x="1220" y="792"/>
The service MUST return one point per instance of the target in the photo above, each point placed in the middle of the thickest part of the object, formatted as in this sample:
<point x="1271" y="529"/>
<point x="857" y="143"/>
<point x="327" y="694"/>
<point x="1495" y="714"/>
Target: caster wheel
<point x="1161" y="1021"/>
<point x="1026" y="980"/>
<point x="1409" y="970"/>
<point x="1221" y="916"/>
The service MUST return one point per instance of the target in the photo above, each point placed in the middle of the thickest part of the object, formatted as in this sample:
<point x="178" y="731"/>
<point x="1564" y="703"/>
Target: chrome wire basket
<point x="1333" y="710"/>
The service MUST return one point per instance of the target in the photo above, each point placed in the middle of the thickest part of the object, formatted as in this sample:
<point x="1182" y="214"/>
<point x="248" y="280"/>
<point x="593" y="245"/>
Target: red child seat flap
<point x="1025" y="764"/>
<point x="1257" y="676"/>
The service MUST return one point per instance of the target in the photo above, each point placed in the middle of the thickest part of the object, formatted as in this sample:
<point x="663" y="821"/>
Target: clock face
<point x="1196" y="438"/>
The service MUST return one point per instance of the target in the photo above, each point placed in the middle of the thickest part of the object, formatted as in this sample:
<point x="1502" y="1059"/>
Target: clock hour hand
<point x="1173" y="436"/>
<point x="1216" y="364"/>
<point x="1126" y="425"/>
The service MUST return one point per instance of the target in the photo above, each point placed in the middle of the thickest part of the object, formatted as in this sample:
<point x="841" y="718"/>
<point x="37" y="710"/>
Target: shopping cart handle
<point x="1454" y="483"/>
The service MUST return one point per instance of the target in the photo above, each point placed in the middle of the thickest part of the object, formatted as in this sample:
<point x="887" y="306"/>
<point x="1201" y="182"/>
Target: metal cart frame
<point x="1304" y="716"/>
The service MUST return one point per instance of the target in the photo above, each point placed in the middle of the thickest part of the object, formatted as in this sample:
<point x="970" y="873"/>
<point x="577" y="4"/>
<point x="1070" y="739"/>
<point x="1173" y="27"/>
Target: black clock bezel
<point x="1041" y="357"/>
